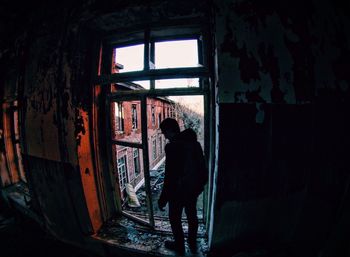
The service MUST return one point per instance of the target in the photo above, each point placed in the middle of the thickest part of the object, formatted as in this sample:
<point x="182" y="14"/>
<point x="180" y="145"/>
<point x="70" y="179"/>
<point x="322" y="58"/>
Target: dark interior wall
<point x="283" y="99"/>
<point x="48" y="59"/>
<point x="43" y="57"/>
<point x="283" y="105"/>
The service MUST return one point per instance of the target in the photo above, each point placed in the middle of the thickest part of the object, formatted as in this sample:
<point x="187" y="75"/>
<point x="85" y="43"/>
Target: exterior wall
<point x="134" y="135"/>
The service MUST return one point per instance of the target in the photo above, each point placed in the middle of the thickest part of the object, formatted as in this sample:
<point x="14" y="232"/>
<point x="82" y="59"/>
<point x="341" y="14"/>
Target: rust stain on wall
<point x="87" y="171"/>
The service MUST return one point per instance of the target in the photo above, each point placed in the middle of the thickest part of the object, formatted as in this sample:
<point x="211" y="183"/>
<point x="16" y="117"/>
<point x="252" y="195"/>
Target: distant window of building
<point x="122" y="172"/>
<point x="172" y="112"/>
<point x="134" y="116"/>
<point x="159" y="119"/>
<point x="160" y="145"/>
<point x="153" y="115"/>
<point x="154" y="148"/>
<point x="119" y="116"/>
<point x="136" y="162"/>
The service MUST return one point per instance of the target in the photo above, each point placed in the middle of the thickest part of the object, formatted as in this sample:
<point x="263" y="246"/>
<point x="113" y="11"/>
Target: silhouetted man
<point x="185" y="177"/>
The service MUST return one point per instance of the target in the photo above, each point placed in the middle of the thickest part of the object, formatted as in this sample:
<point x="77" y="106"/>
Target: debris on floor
<point x="126" y="233"/>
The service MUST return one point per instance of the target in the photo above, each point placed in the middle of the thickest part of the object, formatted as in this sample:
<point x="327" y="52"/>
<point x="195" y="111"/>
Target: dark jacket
<point x="185" y="169"/>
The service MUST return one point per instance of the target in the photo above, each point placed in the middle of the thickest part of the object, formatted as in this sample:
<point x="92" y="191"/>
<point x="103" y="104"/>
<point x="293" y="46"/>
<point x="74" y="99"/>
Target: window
<point x="136" y="162"/>
<point x="160" y="145"/>
<point x="154" y="148"/>
<point x="134" y="116"/>
<point x="159" y="68"/>
<point x="159" y="119"/>
<point x="122" y="172"/>
<point x="119" y="116"/>
<point x="153" y="114"/>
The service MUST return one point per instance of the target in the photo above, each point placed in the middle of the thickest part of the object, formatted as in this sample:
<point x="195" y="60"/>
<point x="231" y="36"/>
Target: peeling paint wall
<point x="283" y="104"/>
<point x="276" y="54"/>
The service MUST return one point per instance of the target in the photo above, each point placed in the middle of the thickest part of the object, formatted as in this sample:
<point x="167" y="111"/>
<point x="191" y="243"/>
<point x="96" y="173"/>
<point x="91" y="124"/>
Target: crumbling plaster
<point x="272" y="54"/>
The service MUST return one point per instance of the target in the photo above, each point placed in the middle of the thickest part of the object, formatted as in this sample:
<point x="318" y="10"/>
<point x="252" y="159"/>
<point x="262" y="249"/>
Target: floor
<point x="125" y="233"/>
<point x="20" y="237"/>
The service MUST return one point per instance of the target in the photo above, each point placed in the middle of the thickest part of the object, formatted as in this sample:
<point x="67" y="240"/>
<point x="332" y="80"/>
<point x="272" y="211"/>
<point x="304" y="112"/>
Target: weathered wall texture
<point x="283" y="99"/>
<point x="48" y="59"/>
<point x="277" y="53"/>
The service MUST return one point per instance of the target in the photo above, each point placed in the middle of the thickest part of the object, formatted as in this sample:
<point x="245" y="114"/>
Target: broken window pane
<point x="176" y="54"/>
<point x="130" y="180"/>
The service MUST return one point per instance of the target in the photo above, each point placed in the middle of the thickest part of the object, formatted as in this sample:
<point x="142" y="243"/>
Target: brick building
<point x="126" y="126"/>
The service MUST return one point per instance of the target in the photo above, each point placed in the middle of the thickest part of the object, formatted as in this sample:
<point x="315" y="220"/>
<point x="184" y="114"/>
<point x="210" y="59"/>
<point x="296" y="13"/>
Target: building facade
<point x="126" y="126"/>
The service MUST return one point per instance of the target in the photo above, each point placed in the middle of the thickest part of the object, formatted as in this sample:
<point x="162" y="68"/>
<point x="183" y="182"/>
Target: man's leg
<point x="191" y="213"/>
<point x="175" y="213"/>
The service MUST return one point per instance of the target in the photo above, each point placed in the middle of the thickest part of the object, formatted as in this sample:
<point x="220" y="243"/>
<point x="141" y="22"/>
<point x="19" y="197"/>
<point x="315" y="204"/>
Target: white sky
<point x="169" y="54"/>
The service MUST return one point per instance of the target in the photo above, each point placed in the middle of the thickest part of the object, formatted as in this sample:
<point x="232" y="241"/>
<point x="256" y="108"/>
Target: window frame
<point x="12" y="146"/>
<point x="136" y="159"/>
<point x="120" y="119"/>
<point x="106" y="78"/>
<point x="123" y="156"/>
<point x="153" y="115"/>
<point x="154" y="148"/>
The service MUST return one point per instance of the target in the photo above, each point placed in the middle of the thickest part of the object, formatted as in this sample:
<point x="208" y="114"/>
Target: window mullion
<point x="152" y="62"/>
<point x="146" y="66"/>
<point x="170" y="73"/>
<point x="146" y="159"/>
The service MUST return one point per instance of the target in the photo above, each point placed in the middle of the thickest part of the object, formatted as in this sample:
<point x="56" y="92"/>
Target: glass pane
<point x="175" y="54"/>
<point x="126" y="121"/>
<point x="189" y="112"/>
<point x="130" y="181"/>
<point x="129" y="58"/>
<point x="177" y="83"/>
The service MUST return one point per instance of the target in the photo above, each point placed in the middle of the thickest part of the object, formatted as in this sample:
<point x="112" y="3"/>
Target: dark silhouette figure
<point x="185" y="178"/>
